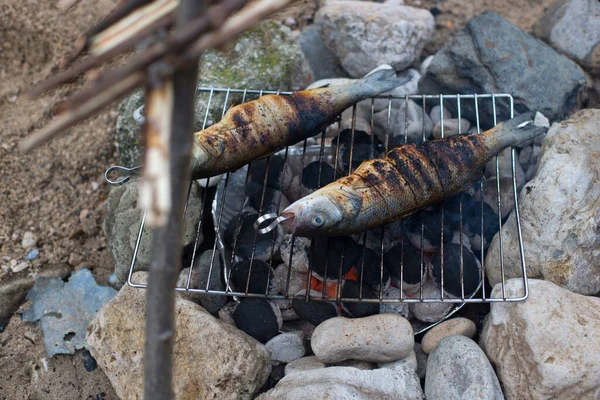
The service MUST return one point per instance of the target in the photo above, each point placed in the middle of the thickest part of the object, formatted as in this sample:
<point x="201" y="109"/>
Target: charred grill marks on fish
<point x="410" y="178"/>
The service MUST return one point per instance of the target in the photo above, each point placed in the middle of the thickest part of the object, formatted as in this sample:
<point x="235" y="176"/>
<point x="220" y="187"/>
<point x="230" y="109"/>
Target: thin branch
<point x="120" y="13"/>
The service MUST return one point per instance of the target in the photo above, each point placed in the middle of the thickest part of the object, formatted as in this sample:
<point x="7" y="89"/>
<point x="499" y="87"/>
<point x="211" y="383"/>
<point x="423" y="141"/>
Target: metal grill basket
<point x="229" y="201"/>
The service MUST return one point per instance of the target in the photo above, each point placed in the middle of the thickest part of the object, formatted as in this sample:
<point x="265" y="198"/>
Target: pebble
<point x="450" y="127"/>
<point x="29" y="240"/>
<point x="377" y="338"/>
<point x="290" y="22"/>
<point x="32" y="255"/>
<point x="297" y="280"/>
<point x="458" y="369"/>
<point x="408" y="363"/>
<point x="287" y="311"/>
<point x="425" y="65"/>
<point x="430" y="312"/>
<point x="454" y="326"/>
<point x="525" y="155"/>
<point x="505" y="167"/>
<point x="300" y="258"/>
<point x="304" y="364"/>
<point x="421" y="360"/>
<point x="20" y="267"/>
<point x="287" y="347"/>
<point x="226" y="313"/>
<point x="435" y="114"/>
<point x="95" y="186"/>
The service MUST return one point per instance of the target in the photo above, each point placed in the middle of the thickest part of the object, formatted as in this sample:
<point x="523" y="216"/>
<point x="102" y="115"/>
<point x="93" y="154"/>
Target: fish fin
<point x="382" y="79"/>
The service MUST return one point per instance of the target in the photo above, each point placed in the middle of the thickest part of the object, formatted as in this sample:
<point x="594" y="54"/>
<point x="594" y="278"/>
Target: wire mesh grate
<point x="453" y="283"/>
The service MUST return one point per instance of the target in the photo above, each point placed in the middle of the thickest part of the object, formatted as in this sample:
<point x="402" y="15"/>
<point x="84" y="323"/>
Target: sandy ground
<point x="57" y="192"/>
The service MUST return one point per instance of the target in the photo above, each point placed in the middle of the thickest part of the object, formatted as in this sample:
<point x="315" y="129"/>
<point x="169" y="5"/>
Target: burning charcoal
<point x="351" y="290"/>
<point x="245" y="239"/>
<point x="273" y="200"/>
<point x="371" y="272"/>
<point x="364" y="148"/>
<point x="329" y="253"/>
<point x="430" y="312"/>
<point x="490" y="226"/>
<point x="260" y="276"/>
<point x="405" y="256"/>
<point x="314" y="312"/>
<point x="432" y="228"/>
<point x="452" y="280"/>
<point x="452" y="212"/>
<point x="374" y="238"/>
<point x="276" y="169"/>
<point x="297" y="280"/>
<point x="259" y="318"/>
<point x="300" y="256"/>
<point x="287" y="311"/>
<point x="400" y="308"/>
<point x="310" y="177"/>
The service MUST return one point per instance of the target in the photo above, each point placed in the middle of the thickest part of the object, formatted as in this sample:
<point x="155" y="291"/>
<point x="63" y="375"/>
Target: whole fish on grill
<point x="261" y="127"/>
<point x="410" y="178"/>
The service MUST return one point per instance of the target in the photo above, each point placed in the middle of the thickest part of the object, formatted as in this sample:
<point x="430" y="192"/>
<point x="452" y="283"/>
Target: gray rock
<point x="226" y="313"/>
<point x="409" y="363"/>
<point x="304" y="364"/>
<point x="300" y="259"/>
<point x="507" y="199"/>
<point x="264" y="57"/>
<point x="377" y="338"/>
<point x="14" y="289"/>
<point x="211" y="303"/>
<point x="286" y="347"/>
<point x="482" y="58"/>
<point x="346" y="383"/>
<point x="323" y="63"/>
<point x="525" y="155"/>
<point x="450" y="327"/>
<point x="116" y="336"/>
<point x="559" y="212"/>
<point x="458" y="369"/>
<point x="430" y="312"/>
<point x="364" y="35"/>
<point x="122" y="224"/>
<point x="398" y="122"/>
<point x="286" y="308"/>
<point x="547" y="346"/>
<point x="573" y="28"/>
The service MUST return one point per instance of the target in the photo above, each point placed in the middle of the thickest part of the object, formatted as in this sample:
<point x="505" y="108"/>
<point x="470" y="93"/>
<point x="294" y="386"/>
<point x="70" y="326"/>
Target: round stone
<point x="454" y="326"/>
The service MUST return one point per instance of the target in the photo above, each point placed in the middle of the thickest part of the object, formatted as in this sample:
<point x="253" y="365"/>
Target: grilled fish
<point x="261" y="127"/>
<point x="410" y="178"/>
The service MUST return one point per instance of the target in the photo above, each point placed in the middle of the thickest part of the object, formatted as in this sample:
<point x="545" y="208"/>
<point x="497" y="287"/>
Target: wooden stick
<point x="166" y="242"/>
<point x="128" y="7"/>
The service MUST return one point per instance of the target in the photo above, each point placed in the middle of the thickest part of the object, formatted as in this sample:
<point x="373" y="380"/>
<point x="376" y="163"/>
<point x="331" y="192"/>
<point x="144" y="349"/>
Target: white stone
<point x="207" y="353"/>
<point x="451" y="127"/>
<point x="20" y="267"/>
<point x="410" y="363"/>
<point x="377" y="338"/>
<point x="364" y="35"/>
<point x="347" y="383"/>
<point x="545" y="347"/>
<point x="430" y="312"/>
<point x="414" y="130"/>
<point x="435" y="114"/>
<point x="505" y="167"/>
<point x="559" y="212"/>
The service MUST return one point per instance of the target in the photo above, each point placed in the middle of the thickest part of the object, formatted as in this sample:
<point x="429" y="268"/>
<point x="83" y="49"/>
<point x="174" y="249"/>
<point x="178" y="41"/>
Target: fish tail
<point x="380" y="80"/>
<point x="521" y="128"/>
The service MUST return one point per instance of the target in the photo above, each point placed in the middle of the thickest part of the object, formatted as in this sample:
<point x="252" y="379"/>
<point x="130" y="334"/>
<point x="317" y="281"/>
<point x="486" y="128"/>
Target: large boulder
<point x="364" y="35"/>
<point x="545" y="347"/>
<point x="122" y="224"/>
<point x="491" y="55"/>
<point x="211" y="359"/>
<point x="559" y="212"/>
<point x="573" y="28"/>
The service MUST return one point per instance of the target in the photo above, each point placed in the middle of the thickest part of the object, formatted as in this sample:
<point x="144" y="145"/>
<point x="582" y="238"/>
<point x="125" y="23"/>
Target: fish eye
<point x="318" y="220"/>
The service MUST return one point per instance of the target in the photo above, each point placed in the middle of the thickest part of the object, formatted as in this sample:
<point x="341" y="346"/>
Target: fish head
<point x="311" y="216"/>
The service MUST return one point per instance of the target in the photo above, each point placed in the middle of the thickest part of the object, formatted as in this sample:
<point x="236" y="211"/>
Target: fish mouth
<point x="290" y="221"/>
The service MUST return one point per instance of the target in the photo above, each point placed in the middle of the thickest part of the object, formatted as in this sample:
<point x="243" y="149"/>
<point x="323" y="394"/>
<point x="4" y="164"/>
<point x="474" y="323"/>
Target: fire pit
<point x="432" y="260"/>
